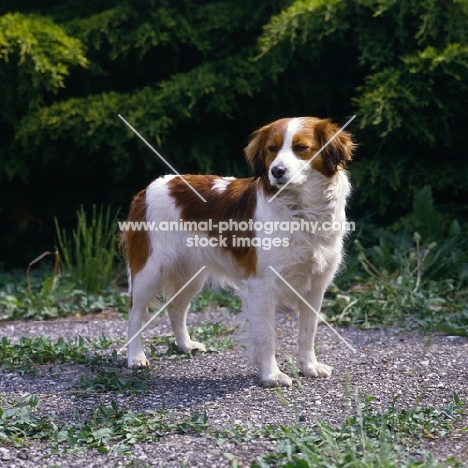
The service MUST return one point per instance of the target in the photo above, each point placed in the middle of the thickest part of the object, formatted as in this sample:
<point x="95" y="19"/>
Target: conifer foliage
<point x="196" y="77"/>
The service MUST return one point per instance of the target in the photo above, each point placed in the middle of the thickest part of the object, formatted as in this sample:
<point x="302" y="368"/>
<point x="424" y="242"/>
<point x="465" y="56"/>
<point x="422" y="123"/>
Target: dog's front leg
<point x="308" y="320"/>
<point x="260" y="307"/>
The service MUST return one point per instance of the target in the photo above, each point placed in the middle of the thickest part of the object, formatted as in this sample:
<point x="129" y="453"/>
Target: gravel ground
<point x="226" y="386"/>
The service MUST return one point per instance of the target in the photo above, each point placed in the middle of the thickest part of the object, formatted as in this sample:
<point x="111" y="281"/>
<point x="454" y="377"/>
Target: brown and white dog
<point x="162" y="261"/>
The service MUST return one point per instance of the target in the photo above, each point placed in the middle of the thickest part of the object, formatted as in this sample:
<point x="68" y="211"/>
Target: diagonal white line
<point x="312" y="158"/>
<point x="313" y="310"/>
<point x="161" y="309"/>
<point x="182" y="177"/>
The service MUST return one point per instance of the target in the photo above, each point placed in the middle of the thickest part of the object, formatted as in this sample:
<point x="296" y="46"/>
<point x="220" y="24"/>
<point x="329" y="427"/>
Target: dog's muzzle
<point x="279" y="174"/>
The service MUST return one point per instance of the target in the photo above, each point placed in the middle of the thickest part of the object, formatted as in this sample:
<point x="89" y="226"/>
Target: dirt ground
<point x="227" y="387"/>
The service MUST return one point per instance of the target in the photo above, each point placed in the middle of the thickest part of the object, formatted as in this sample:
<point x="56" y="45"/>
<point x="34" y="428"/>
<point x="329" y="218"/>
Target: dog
<point x="289" y="187"/>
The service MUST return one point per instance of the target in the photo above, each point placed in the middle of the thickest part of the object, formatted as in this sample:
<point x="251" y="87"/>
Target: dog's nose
<point x="278" y="171"/>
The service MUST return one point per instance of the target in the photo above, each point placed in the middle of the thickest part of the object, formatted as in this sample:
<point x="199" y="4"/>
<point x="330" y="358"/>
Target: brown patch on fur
<point x="136" y="243"/>
<point x="258" y="154"/>
<point x="236" y="202"/>
<point x="337" y="153"/>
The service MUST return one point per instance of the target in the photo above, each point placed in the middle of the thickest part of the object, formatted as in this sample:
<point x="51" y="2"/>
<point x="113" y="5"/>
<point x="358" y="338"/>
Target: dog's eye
<point x="299" y="148"/>
<point x="273" y="149"/>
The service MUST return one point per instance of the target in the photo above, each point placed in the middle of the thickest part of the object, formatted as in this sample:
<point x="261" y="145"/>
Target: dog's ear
<point x="339" y="151"/>
<point x="255" y="151"/>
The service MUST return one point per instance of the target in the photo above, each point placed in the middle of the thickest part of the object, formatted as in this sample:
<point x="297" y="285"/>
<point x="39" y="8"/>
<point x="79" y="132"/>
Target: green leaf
<point x="426" y="218"/>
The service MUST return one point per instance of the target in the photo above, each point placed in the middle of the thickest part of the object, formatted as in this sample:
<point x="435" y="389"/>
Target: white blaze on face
<point x="293" y="127"/>
<point x="286" y="160"/>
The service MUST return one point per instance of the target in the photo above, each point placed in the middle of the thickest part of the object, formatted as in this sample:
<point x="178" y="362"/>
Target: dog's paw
<point x="277" y="379"/>
<point x="138" y="361"/>
<point x="190" y="345"/>
<point x="316" y="370"/>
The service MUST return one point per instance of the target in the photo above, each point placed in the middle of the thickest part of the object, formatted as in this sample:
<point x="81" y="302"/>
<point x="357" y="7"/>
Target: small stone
<point x="4" y="454"/>
<point x="23" y="455"/>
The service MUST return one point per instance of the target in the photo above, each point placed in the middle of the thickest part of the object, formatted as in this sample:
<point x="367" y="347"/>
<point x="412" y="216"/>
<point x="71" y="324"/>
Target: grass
<point x="397" y="283"/>
<point x="209" y="299"/>
<point x="105" y="428"/>
<point x="115" y="377"/>
<point x="31" y="351"/>
<point x="213" y="335"/>
<point x="90" y="253"/>
<point x="367" y="439"/>
<point x="108" y="371"/>
<point x="402" y="297"/>
<point x="52" y="297"/>
<point x="414" y="274"/>
<point x="115" y="380"/>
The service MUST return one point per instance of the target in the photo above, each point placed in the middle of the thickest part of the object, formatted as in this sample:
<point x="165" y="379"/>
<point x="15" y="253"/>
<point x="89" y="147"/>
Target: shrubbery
<point x="195" y="78"/>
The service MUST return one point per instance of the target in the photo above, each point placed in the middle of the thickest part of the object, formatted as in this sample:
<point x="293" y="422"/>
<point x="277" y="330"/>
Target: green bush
<point x="196" y="78"/>
<point x="415" y="274"/>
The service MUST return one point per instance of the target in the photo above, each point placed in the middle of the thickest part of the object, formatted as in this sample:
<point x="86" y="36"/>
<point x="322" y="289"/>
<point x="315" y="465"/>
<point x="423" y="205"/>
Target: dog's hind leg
<point x="178" y="309"/>
<point x="144" y="288"/>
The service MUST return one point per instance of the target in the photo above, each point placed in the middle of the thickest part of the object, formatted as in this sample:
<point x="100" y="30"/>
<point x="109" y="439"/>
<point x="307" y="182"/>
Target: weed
<point x="214" y="335"/>
<point x="90" y="254"/>
<point x="107" y="428"/>
<point x="112" y="380"/>
<point x="402" y="297"/>
<point x="368" y="439"/>
<point x="240" y="434"/>
<point x="52" y="297"/>
<point x="413" y="275"/>
<point x="208" y="330"/>
<point x="437" y="246"/>
<point x="17" y="423"/>
<point x="209" y="299"/>
<point x="38" y="259"/>
<point x="30" y="351"/>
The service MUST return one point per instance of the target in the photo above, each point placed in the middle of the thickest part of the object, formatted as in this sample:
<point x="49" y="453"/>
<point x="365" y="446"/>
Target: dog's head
<point x="279" y="152"/>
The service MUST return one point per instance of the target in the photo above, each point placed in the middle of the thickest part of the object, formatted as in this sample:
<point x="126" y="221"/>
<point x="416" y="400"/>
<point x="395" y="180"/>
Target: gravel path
<point x="224" y="385"/>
